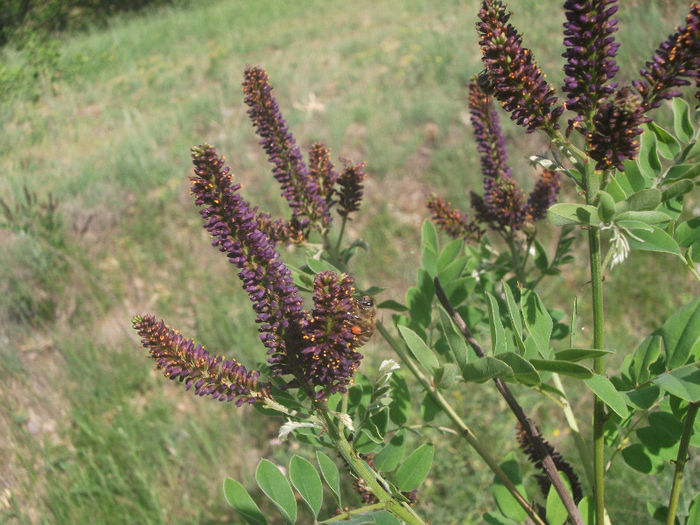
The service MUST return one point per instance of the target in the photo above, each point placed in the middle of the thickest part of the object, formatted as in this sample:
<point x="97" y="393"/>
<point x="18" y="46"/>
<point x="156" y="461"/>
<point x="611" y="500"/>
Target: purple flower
<point x="182" y="359"/>
<point x="543" y="195"/>
<point x="675" y="63"/>
<point x="490" y="142"/>
<point x="329" y="356"/>
<point x="234" y="226"/>
<point x="616" y="124"/>
<point x="590" y="54"/>
<point x="279" y="230"/>
<point x="350" y="192"/>
<point x="298" y="186"/>
<point x="519" y="84"/>
<point x="322" y="171"/>
<point x="452" y="221"/>
<point x="504" y="201"/>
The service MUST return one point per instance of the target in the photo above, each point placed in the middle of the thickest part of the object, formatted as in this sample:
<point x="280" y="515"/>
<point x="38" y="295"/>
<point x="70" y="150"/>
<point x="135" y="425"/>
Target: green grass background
<point x="89" y="433"/>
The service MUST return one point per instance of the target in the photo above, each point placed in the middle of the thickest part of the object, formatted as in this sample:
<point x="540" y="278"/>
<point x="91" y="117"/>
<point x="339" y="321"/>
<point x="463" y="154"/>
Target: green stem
<point x="348" y="514"/>
<point x="573" y="425"/>
<point x="371" y="478"/>
<point x="464" y="430"/>
<point x="517" y="267"/>
<point x="592" y="188"/>
<point x="340" y="237"/>
<point x="681" y="460"/>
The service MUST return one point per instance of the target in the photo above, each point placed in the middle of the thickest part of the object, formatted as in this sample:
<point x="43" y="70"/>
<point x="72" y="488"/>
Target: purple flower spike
<point x="322" y="170"/>
<point x="504" y="200"/>
<point x="452" y="221"/>
<point x="234" y="226"/>
<point x="298" y="186"/>
<point x="543" y="195"/>
<point x="350" y="192"/>
<point x="676" y="63"/>
<point x="330" y="357"/>
<point x="616" y="125"/>
<point x="590" y="54"/>
<point x="489" y="140"/>
<point x="518" y="83"/>
<point x="181" y="359"/>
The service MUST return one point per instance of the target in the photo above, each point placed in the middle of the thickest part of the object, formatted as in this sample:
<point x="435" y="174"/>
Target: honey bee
<point x="364" y="317"/>
<point x="485" y="83"/>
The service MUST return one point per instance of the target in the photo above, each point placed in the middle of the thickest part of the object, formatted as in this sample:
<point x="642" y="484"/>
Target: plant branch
<point x="533" y="433"/>
<point x="681" y="460"/>
<point x="464" y="430"/>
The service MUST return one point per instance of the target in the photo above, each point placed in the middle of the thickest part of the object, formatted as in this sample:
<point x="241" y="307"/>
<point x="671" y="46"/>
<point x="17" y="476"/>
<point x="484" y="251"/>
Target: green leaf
<point x="429" y="408"/>
<point x="429" y="248"/>
<point x="537" y="320"/>
<point x="418" y="306"/>
<point x="645" y="355"/>
<point x="415" y="469"/>
<point x="605" y="390"/>
<point x="677" y="189"/>
<point x="579" y="354"/>
<point x="694" y="513"/>
<point x="505" y="501"/>
<point x="637" y="457"/>
<point x="496" y="518"/>
<point x="606" y="207"/>
<point x="555" y="512"/>
<point x="453" y="270"/>
<point x="523" y="371"/>
<point x="666" y="143"/>
<point x="688" y="232"/>
<point x="562" y="214"/>
<point x="648" y="158"/>
<point x="656" y="240"/>
<point x="587" y="509"/>
<point x="330" y="474"/>
<point x="615" y="190"/>
<point x="541" y="261"/>
<point x="682" y="125"/>
<point x="632" y="179"/>
<point x="454" y="338"/>
<point x="516" y="321"/>
<point x="498" y="333"/>
<point x="648" y="217"/>
<point x="643" y="200"/>
<point x="320" y="265"/>
<point x="419" y="349"/>
<point x="400" y="406"/>
<point x="643" y="398"/>
<point x="390" y="304"/>
<point x="238" y="497"/>
<point x="681" y="333"/>
<point x="484" y="369"/>
<point x="683" y="171"/>
<point x="448" y="254"/>
<point x="562" y="367"/>
<point x="682" y="382"/>
<point x="389" y="457"/>
<point x="276" y="487"/>
<point x="306" y="480"/>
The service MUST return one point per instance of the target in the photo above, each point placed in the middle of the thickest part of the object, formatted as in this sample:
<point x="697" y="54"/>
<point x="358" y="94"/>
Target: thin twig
<point x="532" y="431"/>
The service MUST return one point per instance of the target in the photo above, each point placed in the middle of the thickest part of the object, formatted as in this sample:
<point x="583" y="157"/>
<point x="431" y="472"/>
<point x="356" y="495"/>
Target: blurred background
<point x="99" y="107"/>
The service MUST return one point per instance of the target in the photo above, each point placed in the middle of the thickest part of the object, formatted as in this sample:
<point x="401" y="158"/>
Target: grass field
<point x="88" y="432"/>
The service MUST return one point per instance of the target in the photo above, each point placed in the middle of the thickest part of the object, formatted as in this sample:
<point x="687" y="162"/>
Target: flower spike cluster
<point x="454" y="222"/>
<point x="616" y="128"/>
<point x="519" y="84"/>
<point x="676" y="63"/>
<point x="503" y="206"/>
<point x="590" y="53"/>
<point x="319" y="348"/>
<point x="330" y="357"/>
<point x="350" y="192"/>
<point x="181" y="359"/>
<point x="298" y="186"/>
<point x="233" y="224"/>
